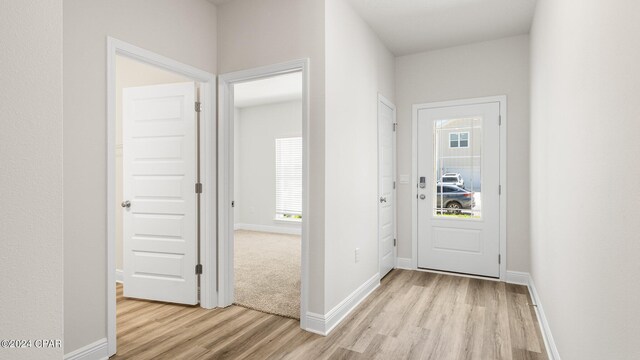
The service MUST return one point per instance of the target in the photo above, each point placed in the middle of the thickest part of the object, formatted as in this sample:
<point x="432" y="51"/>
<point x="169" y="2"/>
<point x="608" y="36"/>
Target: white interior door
<point x="458" y="189"/>
<point x="159" y="169"/>
<point x="386" y="187"/>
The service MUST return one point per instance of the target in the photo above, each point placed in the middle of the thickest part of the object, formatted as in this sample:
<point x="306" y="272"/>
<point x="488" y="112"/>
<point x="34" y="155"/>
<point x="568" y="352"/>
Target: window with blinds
<point x="289" y="178"/>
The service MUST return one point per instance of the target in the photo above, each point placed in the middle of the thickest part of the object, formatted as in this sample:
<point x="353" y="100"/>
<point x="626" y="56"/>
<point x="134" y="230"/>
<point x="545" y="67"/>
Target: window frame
<point x="458" y="140"/>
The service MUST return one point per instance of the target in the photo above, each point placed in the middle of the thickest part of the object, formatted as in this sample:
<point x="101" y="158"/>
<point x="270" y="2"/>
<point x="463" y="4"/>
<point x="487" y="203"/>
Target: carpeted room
<point x="267" y="272"/>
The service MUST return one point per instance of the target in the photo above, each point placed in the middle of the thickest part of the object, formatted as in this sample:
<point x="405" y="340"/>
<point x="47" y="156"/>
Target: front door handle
<point x="126" y="204"/>
<point x="422" y="196"/>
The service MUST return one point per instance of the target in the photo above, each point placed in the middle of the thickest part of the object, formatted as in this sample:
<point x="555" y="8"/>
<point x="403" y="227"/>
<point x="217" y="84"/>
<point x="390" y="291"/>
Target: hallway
<point x="412" y="315"/>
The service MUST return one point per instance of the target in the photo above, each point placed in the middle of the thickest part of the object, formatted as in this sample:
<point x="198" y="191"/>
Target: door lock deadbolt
<point x="423" y="182"/>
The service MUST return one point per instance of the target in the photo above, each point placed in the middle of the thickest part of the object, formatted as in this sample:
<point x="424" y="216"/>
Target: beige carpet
<point x="267" y="272"/>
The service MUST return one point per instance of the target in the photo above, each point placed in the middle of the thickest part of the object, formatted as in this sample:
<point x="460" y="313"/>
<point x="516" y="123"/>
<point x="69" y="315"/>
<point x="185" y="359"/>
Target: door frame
<point x="208" y="292"/>
<point x="383" y="100"/>
<point x="502" y="100"/>
<point x="225" y="176"/>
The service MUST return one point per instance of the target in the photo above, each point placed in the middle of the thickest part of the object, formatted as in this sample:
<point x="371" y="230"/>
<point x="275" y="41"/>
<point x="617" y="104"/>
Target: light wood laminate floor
<point x="412" y="315"/>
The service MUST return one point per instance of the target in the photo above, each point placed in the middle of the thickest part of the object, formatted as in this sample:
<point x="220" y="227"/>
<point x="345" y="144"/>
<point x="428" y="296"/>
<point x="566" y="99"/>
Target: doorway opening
<point x="161" y="188"/>
<point x="263" y="189"/>
<point x="267" y="137"/>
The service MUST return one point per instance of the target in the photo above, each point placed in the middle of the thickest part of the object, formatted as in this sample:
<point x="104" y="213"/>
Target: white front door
<point x="386" y="187"/>
<point x="159" y="169"/>
<point x="458" y="188"/>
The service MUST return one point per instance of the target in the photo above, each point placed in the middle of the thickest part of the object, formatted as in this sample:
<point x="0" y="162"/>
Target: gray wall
<point x="256" y="129"/>
<point x="182" y="30"/>
<point x="283" y="30"/>
<point x="499" y="67"/>
<point x="358" y="67"/>
<point x="31" y="175"/>
<point x="585" y="245"/>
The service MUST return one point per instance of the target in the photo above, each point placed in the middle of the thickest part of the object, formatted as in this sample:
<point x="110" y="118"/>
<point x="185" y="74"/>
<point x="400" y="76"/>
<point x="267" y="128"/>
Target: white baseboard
<point x="95" y="351"/>
<point x="552" y="349"/>
<point x="119" y="276"/>
<point x="519" y="278"/>
<point x="523" y="278"/>
<point x="324" y="324"/>
<point x="404" y="263"/>
<point x="269" y="229"/>
<point x="316" y="323"/>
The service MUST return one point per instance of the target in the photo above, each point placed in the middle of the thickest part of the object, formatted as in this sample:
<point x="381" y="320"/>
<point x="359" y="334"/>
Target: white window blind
<point x="289" y="177"/>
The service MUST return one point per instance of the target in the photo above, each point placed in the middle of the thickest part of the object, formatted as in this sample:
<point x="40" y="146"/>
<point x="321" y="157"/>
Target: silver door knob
<point x="126" y="204"/>
<point x="383" y="199"/>
<point x="422" y="196"/>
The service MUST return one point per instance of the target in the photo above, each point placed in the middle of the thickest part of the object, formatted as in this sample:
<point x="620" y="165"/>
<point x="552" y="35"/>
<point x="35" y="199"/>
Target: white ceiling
<point x="275" y="89"/>
<point x="411" y="26"/>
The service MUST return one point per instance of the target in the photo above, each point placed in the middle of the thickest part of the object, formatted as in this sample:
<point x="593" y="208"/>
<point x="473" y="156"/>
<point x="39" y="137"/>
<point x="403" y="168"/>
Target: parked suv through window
<point x="452" y="179"/>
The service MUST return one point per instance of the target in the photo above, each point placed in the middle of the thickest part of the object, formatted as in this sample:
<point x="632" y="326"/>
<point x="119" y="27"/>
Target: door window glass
<point x="457" y="169"/>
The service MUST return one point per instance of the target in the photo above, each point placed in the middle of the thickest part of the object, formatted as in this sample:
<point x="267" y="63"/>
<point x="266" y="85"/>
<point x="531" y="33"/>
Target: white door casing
<point x="159" y="169"/>
<point x="469" y="245"/>
<point x="386" y="186"/>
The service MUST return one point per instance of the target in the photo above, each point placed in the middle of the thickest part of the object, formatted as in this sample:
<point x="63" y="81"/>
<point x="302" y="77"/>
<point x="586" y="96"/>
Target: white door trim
<point x="387" y="102"/>
<point x="225" y="176"/>
<point x="208" y="293"/>
<point x="502" y="100"/>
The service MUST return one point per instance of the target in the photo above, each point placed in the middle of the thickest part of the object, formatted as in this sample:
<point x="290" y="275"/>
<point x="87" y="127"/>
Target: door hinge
<point x="394" y="184"/>
<point x="199" y="269"/>
<point x="198" y="106"/>
<point x="395" y="242"/>
<point x="499" y="259"/>
<point x="395" y="126"/>
<point x="198" y="188"/>
<point x="233" y="204"/>
<point x="499" y="120"/>
<point x="499" y="189"/>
